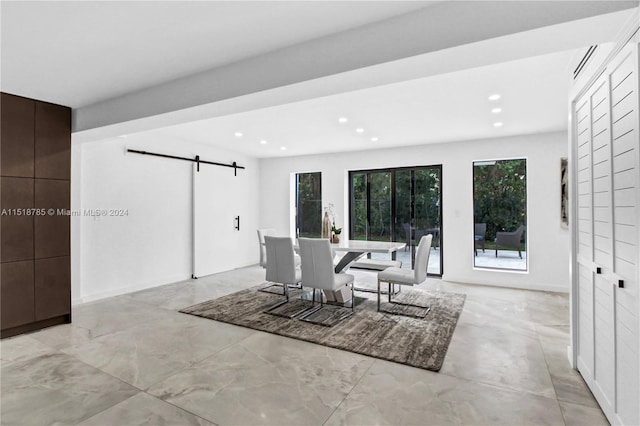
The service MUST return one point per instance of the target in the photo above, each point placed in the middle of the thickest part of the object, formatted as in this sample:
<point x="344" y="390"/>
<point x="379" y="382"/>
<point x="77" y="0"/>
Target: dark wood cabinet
<point x="17" y="135"/>
<point x="52" y="230"/>
<point x="52" y="141"/>
<point x="17" y="294"/>
<point x="17" y="229"/>
<point x="52" y="287"/>
<point x="35" y="290"/>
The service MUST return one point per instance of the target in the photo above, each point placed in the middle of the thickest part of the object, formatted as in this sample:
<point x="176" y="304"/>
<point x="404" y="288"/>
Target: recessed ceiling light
<point x="374" y="139"/>
<point x="494" y="97"/>
<point x="123" y="136"/>
<point x="496" y="110"/>
<point x="497" y="124"/>
<point x="238" y="134"/>
<point x="359" y="130"/>
<point x="263" y="142"/>
<point x="283" y="148"/>
<point x="342" y="120"/>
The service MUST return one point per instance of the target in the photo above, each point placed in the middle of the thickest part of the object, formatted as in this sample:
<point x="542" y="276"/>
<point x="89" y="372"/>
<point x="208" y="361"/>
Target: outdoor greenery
<point x="423" y="215"/>
<point x="500" y="195"/>
<point x="309" y="204"/>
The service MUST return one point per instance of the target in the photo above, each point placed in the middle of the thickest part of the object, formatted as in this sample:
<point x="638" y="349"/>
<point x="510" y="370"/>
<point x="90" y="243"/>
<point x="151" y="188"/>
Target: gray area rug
<point x="418" y="342"/>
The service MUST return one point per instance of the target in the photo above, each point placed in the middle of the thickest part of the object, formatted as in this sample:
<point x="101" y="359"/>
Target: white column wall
<point x="152" y="245"/>
<point x="548" y="241"/>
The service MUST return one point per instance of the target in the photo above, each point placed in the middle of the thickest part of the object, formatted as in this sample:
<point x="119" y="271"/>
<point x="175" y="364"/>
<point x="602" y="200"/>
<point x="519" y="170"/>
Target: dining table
<point x="354" y="250"/>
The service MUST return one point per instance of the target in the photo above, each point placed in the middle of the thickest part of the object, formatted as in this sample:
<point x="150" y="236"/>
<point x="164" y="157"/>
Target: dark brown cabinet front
<point x="17" y="294"/>
<point x="52" y="287"/>
<point x="35" y="290"/>
<point x="51" y="230"/>
<point x="17" y="228"/>
<point x="18" y="116"/>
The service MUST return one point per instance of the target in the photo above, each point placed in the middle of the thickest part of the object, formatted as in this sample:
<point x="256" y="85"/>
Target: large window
<point x="398" y="205"/>
<point x="500" y="214"/>
<point x="309" y="204"/>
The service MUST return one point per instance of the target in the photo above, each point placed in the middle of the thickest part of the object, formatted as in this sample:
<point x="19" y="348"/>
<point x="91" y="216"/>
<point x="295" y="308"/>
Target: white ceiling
<point x="97" y="50"/>
<point x="93" y="51"/>
<point x="448" y="107"/>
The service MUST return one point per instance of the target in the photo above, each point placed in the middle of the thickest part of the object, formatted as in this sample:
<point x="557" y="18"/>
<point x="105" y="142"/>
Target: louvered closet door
<point x="596" y="345"/>
<point x="607" y="213"/>
<point x="603" y="295"/>
<point x="625" y="157"/>
<point x="582" y="118"/>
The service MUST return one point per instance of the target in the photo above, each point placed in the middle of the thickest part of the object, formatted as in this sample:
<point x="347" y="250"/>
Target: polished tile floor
<point x="134" y="359"/>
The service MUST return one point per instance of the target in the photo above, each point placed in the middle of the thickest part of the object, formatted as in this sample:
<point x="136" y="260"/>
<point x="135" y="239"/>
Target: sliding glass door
<point x="309" y="205"/>
<point x="399" y="205"/>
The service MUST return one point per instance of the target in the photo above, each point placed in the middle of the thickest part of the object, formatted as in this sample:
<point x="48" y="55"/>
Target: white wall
<point x="548" y="241"/>
<point x="152" y="245"/>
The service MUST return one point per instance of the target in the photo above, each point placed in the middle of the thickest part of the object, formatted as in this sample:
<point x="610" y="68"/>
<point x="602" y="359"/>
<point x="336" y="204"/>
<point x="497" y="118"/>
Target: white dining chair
<point x="410" y="277"/>
<point x="318" y="273"/>
<point x="281" y="268"/>
<point x="263" y="251"/>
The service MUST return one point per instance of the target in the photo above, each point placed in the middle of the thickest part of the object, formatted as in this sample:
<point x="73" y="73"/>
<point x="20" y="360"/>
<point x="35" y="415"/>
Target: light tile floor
<point x="134" y="359"/>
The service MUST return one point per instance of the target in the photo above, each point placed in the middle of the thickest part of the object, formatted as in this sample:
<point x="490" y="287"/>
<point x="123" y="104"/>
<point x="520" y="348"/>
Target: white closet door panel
<point x="625" y="197"/>
<point x="584" y="163"/>
<point x="624" y="124"/>
<point x="601" y="152"/>
<point x="601" y="169"/>
<point x="602" y="198"/>
<point x="607" y="222"/>
<point x="626" y="318"/>
<point x="625" y="142"/>
<point x="625" y="221"/>
<point x="624" y="178"/>
<point x="602" y="213"/>
<point x="602" y="229"/>
<point x="625" y="234"/>
<point x="628" y="253"/>
<point x="585" y="331"/>
<point x="622" y="104"/>
<point x="622" y="74"/>
<point x="601" y="184"/>
<point x="625" y="161"/>
<point x="626" y="215"/>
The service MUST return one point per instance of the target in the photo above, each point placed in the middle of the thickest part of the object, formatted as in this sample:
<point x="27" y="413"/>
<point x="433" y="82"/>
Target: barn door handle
<point x="620" y="283"/>
<point x="237" y="226"/>
<point x="598" y="270"/>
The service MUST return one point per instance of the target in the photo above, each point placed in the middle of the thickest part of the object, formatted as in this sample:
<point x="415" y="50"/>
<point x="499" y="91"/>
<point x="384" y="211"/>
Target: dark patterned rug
<point x="418" y="342"/>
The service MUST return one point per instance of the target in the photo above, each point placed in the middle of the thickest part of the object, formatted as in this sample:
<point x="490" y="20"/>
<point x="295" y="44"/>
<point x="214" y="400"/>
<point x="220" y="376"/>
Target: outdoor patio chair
<point x="479" y="233"/>
<point x="510" y="239"/>
<point x="408" y="235"/>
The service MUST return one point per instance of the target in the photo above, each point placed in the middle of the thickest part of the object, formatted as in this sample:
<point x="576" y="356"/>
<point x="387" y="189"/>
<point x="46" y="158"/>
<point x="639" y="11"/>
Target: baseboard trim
<point x="519" y="286"/>
<point x="35" y="326"/>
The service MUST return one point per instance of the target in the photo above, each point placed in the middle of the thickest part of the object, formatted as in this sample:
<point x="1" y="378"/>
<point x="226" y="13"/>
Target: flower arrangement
<point x="330" y="215"/>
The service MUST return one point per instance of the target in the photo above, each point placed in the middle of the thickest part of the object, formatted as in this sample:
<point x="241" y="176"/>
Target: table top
<point x="362" y="246"/>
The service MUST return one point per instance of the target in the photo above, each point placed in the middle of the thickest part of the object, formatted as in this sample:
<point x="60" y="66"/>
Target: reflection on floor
<point x="134" y="359"/>
<point x="506" y="259"/>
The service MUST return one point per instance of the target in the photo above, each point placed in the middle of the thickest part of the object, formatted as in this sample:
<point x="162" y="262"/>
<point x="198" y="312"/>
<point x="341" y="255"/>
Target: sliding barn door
<point x="217" y="204"/>
<point x="606" y="171"/>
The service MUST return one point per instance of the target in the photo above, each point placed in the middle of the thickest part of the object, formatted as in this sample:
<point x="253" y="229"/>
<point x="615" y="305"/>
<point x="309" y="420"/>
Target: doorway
<point x="400" y="204"/>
